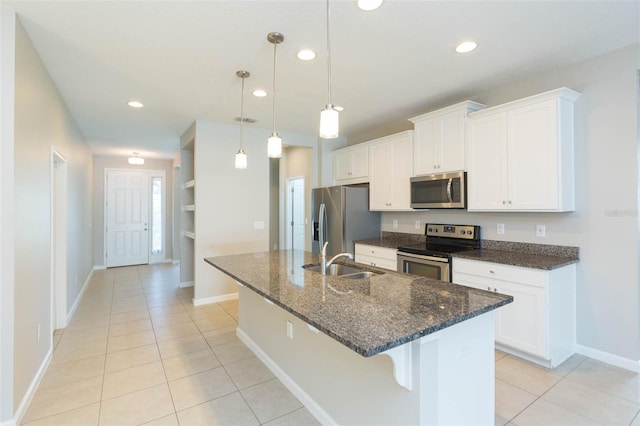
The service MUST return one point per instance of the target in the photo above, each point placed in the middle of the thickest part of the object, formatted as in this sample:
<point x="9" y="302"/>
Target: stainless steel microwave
<point x="439" y="191"/>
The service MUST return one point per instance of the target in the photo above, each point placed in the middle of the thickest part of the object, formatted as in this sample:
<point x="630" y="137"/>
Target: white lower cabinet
<point x="540" y="323"/>
<point x="381" y="257"/>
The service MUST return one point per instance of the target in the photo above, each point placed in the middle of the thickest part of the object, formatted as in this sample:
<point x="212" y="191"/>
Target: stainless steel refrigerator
<point x="340" y="215"/>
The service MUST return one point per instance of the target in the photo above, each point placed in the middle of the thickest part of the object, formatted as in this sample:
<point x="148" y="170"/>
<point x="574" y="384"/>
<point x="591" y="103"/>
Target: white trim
<point x="77" y="302"/>
<point x="99" y="267"/>
<point x="58" y="238"/>
<point x="606" y="357"/>
<point x="215" y="299"/>
<point x="310" y="404"/>
<point x="33" y="387"/>
<point x="185" y="284"/>
<point x="158" y="258"/>
<point x="10" y="422"/>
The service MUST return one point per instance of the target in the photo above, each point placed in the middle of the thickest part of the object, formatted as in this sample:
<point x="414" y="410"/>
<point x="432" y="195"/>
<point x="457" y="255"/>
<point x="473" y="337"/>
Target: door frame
<point x="150" y="174"/>
<point x="58" y="231"/>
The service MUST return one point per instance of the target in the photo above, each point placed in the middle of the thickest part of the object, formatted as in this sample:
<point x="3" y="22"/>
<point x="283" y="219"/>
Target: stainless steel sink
<point x="343" y="271"/>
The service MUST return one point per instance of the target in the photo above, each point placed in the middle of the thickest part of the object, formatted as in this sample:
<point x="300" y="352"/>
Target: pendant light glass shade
<point x="329" y="117"/>
<point x="329" y="122"/>
<point x="135" y="160"/>
<point x="241" y="159"/>
<point x="241" y="156"/>
<point x="274" y="143"/>
<point x="274" y="146"/>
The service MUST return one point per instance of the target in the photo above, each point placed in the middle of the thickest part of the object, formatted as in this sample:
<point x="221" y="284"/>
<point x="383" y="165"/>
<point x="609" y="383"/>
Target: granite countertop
<point x="514" y="258"/>
<point x="525" y="255"/>
<point x="367" y="315"/>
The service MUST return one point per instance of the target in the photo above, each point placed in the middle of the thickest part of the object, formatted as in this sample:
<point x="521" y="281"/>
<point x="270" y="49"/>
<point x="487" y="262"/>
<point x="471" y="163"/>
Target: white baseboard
<point x="176" y="262"/>
<point x="310" y="404"/>
<point x="185" y="284"/>
<point x="24" y="404"/>
<point x="98" y="267"/>
<point x="10" y="422"/>
<point x="79" y="298"/>
<point x="216" y="299"/>
<point x="606" y="357"/>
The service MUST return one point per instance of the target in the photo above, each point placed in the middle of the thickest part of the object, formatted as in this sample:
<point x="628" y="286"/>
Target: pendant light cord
<point x="275" y="44"/>
<point x="242" y="113"/>
<point x="329" y="55"/>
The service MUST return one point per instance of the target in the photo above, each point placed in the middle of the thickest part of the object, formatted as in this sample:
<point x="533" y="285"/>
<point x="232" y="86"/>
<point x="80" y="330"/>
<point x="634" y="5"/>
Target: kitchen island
<point x="388" y="349"/>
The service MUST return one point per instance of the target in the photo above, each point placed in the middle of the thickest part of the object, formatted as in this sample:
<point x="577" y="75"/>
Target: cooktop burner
<point x="443" y="240"/>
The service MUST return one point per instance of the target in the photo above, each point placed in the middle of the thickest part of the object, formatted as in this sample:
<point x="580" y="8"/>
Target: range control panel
<point x="466" y="232"/>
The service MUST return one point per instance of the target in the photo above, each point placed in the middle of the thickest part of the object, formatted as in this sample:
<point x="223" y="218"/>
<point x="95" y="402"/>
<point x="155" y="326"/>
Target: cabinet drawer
<point x="378" y="262"/>
<point x="375" y="251"/>
<point x="496" y="271"/>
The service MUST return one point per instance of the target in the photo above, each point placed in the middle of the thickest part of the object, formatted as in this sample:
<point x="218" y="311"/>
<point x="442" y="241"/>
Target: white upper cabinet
<point x="351" y="164"/>
<point x="390" y="171"/>
<point x="520" y="155"/>
<point x="439" y="139"/>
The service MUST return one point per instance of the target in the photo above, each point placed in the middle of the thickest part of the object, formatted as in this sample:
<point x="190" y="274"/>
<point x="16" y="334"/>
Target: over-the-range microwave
<point x="439" y="191"/>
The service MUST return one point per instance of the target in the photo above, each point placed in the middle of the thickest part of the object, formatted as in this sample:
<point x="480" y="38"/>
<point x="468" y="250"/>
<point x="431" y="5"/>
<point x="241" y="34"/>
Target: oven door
<point x="436" y="268"/>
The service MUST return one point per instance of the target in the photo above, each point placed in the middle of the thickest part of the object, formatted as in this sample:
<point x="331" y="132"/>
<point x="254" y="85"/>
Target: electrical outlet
<point x="541" y="230"/>
<point x="290" y="330"/>
<point x="500" y="229"/>
<point x="395" y="223"/>
<point x="417" y="224"/>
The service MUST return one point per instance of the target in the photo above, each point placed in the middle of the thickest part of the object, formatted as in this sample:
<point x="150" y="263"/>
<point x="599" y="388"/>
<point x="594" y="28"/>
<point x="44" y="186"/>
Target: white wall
<point x="230" y="201"/>
<point x="102" y="162"/>
<point x="7" y="89"/>
<point x="605" y="223"/>
<point x="42" y="120"/>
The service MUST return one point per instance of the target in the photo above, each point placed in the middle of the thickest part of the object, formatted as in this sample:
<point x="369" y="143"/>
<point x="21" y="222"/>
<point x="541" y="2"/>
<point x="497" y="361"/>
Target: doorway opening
<point x="58" y="240"/>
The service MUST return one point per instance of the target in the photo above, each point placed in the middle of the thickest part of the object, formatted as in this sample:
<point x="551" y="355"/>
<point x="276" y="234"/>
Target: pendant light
<point x="136" y="160"/>
<point x="241" y="156"/>
<point x="329" y="117"/>
<point x="274" y="143"/>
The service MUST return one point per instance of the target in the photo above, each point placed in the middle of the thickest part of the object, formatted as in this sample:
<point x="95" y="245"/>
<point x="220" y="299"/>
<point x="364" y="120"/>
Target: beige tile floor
<point x="138" y="352"/>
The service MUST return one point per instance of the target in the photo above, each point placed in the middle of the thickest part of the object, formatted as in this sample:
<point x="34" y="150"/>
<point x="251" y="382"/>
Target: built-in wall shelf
<point x="189" y="234"/>
<point x="189" y="208"/>
<point x="189" y="184"/>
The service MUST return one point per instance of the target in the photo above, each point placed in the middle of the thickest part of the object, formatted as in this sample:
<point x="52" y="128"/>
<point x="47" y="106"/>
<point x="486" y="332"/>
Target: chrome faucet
<point x="324" y="265"/>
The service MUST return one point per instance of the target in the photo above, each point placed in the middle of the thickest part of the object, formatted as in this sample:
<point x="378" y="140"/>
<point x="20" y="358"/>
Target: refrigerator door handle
<point x="323" y="223"/>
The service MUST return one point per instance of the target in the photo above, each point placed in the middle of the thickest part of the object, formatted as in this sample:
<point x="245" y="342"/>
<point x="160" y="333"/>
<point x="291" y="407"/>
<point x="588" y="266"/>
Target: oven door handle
<point x="449" y="194"/>
<point x="423" y="257"/>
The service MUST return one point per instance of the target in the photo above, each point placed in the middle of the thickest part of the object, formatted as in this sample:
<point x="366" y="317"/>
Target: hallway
<point x="138" y="352"/>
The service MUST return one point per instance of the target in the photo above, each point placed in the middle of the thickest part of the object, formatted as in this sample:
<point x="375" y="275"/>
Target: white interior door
<point x="296" y="217"/>
<point x="127" y="231"/>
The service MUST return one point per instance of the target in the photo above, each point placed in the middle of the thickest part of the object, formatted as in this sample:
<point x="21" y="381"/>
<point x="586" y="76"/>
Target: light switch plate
<point x="541" y="230"/>
<point x="500" y="229"/>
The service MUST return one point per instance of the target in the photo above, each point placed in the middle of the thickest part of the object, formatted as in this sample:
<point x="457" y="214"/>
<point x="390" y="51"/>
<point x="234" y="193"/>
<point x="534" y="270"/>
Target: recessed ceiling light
<point x="135" y="104"/>
<point x="369" y="4"/>
<point x="466" y="46"/>
<point x="259" y="93"/>
<point x="306" y="55"/>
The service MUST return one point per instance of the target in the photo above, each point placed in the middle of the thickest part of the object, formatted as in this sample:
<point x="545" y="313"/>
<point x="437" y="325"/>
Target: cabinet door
<point x="360" y="162"/>
<point x="487" y="163"/>
<point x="452" y="142"/>
<point x="533" y="157"/>
<point x="521" y="324"/>
<point x="342" y="165"/>
<point x="381" y="176"/>
<point x="401" y="173"/>
<point x="426" y="147"/>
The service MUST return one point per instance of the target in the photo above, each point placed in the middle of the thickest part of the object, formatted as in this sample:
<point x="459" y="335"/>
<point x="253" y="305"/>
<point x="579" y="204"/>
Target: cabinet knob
<point x="509" y="201"/>
<point x="492" y="272"/>
<point x="504" y="202"/>
<point x="495" y="290"/>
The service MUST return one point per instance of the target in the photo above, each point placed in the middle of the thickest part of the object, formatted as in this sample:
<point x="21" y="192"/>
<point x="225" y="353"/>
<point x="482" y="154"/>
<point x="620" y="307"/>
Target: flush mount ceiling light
<point x="274" y="143"/>
<point x="241" y="156"/>
<point x="135" y="104"/>
<point x="329" y="117"/>
<point x="369" y="4"/>
<point x="135" y="160"/>
<point x="306" y="55"/>
<point x="259" y="93"/>
<point x="466" y="47"/>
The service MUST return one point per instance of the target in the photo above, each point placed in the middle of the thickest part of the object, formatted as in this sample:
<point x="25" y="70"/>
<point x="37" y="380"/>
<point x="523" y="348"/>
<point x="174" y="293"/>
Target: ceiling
<point x="180" y="59"/>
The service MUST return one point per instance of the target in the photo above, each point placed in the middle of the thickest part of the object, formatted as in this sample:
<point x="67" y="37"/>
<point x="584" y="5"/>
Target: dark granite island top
<point x="368" y="315"/>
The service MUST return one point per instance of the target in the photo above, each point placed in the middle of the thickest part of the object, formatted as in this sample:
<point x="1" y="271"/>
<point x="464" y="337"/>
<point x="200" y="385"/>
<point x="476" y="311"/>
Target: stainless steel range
<point x="432" y="259"/>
